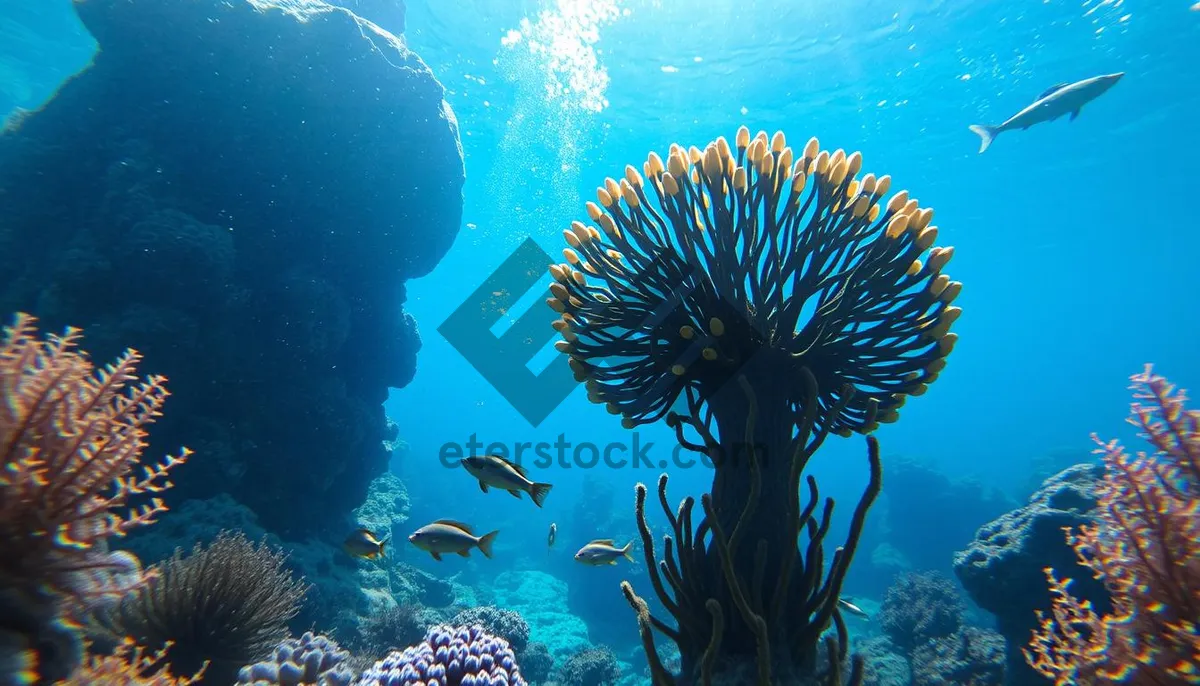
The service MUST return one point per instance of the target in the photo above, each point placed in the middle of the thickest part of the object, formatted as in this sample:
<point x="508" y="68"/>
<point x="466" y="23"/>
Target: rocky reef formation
<point x="1002" y="569"/>
<point x="239" y="190"/>
<point x="922" y="616"/>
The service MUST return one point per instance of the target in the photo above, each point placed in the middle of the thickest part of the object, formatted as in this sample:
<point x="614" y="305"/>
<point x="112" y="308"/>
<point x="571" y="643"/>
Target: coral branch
<point x="1145" y="547"/>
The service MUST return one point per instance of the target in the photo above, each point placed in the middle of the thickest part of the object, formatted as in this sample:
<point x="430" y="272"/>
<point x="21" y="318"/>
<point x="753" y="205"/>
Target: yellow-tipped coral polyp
<point x="1145" y="548"/>
<point x="755" y="275"/>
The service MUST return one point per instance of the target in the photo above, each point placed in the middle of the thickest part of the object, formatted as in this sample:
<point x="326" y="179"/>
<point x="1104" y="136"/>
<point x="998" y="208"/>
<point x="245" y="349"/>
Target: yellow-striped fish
<point x="362" y="543"/>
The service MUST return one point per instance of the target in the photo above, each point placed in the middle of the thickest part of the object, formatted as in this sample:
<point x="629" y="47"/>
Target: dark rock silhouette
<point x="1002" y="569"/>
<point x="240" y="190"/>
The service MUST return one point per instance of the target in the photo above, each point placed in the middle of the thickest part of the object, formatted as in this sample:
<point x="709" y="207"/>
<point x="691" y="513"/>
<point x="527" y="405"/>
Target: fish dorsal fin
<point x="515" y="467"/>
<point x="603" y="541"/>
<point x="1052" y="89"/>
<point x="367" y="534"/>
<point x="456" y="524"/>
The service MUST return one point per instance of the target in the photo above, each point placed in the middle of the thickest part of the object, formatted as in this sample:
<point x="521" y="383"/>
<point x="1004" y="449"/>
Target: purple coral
<point x="449" y="656"/>
<point x="311" y="659"/>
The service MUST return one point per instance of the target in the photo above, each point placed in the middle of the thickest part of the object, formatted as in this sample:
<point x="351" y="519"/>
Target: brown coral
<point x="1145" y="547"/>
<point x="71" y="437"/>
<point x="128" y="665"/>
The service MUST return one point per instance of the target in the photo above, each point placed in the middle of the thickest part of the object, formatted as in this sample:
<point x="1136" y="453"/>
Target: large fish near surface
<point x="498" y="472"/>
<point x="449" y="536"/>
<point x="1064" y="98"/>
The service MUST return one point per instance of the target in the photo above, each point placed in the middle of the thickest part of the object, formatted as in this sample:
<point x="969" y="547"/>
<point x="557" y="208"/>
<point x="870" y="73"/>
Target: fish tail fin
<point x="625" y="551"/>
<point x="383" y="546"/>
<point x="539" y="492"/>
<point x="986" y="134"/>
<point x="485" y="544"/>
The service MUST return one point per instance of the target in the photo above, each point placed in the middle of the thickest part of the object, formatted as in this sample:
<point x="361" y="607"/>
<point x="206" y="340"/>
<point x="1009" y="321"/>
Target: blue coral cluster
<point x="449" y="656"/>
<point x="311" y="659"/>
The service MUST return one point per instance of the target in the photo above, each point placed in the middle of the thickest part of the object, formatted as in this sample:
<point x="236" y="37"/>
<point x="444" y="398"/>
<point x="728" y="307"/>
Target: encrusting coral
<point x="71" y="438"/>
<point x="758" y="299"/>
<point x="1145" y="547"/>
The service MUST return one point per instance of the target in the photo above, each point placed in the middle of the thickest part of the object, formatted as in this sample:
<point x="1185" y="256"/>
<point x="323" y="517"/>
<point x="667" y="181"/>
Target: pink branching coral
<point x="1145" y="547"/>
<point x="71" y="437"/>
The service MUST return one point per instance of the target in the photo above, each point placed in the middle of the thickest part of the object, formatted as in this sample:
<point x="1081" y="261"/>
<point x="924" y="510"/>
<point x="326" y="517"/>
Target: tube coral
<point x="757" y="300"/>
<point x="71" y="437"/>
<point x="1145" y="548"/>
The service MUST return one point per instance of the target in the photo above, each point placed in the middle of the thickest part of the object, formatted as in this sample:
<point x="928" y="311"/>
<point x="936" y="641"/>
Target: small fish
<point x="449" y="536"/>
<point x="1063" y="98"/>
<point x="362" y="543"/>
<point x="553" y="534"/>
<point x="853" y="609"/>
<point x="602" y="551"/>
<point x="500" y="473"/>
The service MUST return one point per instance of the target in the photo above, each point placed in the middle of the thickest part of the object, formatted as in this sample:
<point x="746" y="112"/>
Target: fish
<point x="1054" y="102"/>
<point x="553" y="534"/>
<point x="362" y="543"/>
<point x="1196" y="7"/>
<point x="853" y="609"/>
<point x="449" y="536"/>
<point x="602" y="551"/>
<point x="498" y="472"/>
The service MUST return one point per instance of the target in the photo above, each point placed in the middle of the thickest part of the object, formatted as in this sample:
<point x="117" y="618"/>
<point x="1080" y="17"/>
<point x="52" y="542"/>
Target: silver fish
<point x="853" y="609"/>
<point x="498" y="472"/>
<point x="449" y="536"/>
<point x="603" y="551"/>
<point x="1064" y="98"/>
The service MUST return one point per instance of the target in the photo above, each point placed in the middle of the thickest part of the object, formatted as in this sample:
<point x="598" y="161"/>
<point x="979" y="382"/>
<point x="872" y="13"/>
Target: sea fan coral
<point x="449" y="656"/>
<point x="71" y="438"/>
<point x="227" y="603"/>
<point x="129" y="665"/>
<point x="756" y="299"/>
<point x="1145" y="547"/>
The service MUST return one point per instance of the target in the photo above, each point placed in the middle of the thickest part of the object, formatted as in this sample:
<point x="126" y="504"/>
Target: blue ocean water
<point x="1070" y="238"/>
<point x="1073" y="239"/>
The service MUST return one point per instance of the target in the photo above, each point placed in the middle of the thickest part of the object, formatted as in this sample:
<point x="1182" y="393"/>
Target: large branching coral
<point x="71" y="437"/>
<point x="1145" y="548"/>
<point x="757" y="300"/>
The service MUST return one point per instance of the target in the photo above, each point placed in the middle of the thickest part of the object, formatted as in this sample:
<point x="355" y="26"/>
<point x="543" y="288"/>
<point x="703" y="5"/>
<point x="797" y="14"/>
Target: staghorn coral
<point x="1145" y="547"/>
<point x="449" y="656"/>
<point x="71" y="436"/>
<point x="227" y="603"/>
<point x="310" y="659"/>
<point x="757" y="300"/>
<point x="129" y="665"/>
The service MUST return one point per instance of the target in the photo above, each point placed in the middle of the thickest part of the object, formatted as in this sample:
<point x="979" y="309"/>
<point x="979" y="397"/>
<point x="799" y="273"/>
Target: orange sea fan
<point x="1145" y="547"/>
<point x="71" y="437"/>
<point x="129" y="665"/>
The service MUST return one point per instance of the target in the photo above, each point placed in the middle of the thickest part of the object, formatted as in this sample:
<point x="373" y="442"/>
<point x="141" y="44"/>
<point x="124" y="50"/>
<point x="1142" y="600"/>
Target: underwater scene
<point x="599" y="342"/>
